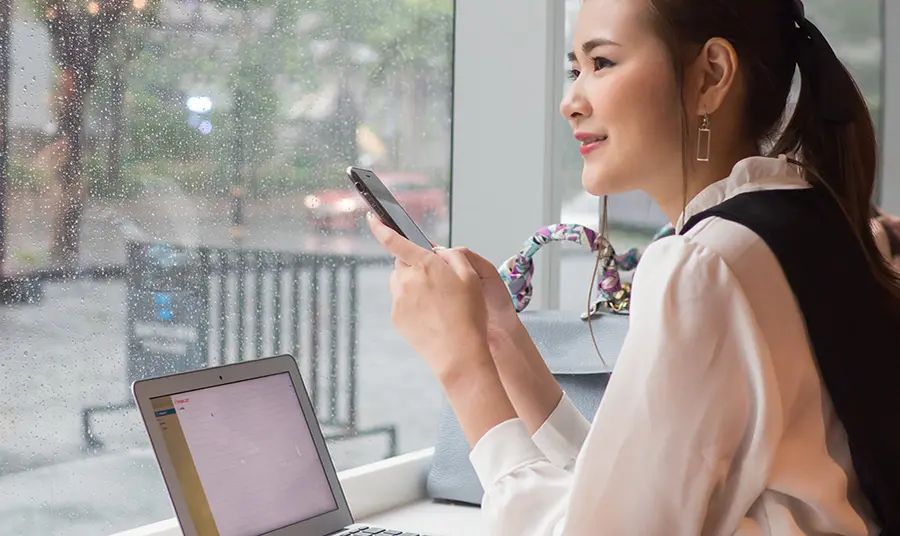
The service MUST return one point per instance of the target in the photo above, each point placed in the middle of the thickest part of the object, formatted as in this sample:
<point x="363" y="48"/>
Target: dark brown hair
<point x="771" y="39"/>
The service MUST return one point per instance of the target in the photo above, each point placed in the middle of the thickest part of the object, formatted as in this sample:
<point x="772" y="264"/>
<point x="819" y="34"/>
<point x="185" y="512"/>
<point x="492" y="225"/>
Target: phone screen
<point x="386" y="206"/>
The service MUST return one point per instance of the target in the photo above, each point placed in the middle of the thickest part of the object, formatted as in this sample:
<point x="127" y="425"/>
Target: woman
<point x="753" y="393"/>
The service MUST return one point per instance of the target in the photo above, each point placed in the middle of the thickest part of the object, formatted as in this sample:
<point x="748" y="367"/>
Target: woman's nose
<point x="573" y="104"/>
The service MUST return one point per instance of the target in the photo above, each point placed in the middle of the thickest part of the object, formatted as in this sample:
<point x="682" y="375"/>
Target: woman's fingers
<point x="395" y="244"/>
<point x="479" y="264"/>
<point x="460" y="264"/>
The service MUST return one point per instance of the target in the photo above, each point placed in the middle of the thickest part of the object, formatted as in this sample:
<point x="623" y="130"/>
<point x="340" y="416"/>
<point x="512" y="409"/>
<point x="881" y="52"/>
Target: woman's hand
<point x="502" y="319"/>
<point x="528" y="383"/>
<point x="439" y="308"/>
<point x="438" y="304"/>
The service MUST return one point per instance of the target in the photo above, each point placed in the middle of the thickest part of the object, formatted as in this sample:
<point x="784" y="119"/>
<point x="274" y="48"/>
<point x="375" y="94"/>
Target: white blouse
<point x="715" y="421"/>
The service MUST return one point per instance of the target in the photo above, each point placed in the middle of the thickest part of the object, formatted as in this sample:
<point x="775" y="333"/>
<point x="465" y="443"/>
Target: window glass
<point x="854" y="30"/>
<point x="175" y="197"/>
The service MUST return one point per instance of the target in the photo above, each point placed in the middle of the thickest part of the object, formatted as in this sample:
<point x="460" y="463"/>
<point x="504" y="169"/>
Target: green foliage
<point x="159" y="130"/>
<point x="28" y="258"/>
<point x="128" y="186"/>
<point x="284" y="180"/>
<point x="23" y="177"/>
<point x="253" y="85"/>
<point x="255" y="75"/>
<point x="418" y="38"/>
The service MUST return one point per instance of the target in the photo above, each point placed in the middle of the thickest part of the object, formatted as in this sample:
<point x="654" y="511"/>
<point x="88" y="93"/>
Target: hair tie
<point x="613" y="295"/>
<point x="831" y="85"/>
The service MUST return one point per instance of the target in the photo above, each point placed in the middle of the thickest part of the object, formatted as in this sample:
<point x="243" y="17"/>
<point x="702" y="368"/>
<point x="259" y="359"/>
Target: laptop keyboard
<point x="371" y="531"/>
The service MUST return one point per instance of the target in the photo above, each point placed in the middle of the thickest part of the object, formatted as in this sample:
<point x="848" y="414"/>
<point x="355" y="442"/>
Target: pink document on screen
<point x="254" y="454"/>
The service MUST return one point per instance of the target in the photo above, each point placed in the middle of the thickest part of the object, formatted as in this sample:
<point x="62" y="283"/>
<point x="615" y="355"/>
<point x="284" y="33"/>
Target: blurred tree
<point x="240" y="66"/>
<point x="334" y="39"/>
<point x="104" y="172"/>
<point x="79" y="33"/>
<point x="402" y="47"/>
<point x="126" y="45"/>
<point x="255" y="108"/>
<point x="415" y="48"/>
<point x="271" y="54"/>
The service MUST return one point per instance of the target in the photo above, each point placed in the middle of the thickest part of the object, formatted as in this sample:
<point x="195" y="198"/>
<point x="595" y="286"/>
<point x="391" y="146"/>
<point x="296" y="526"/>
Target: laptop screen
<point x="244" y="456"/>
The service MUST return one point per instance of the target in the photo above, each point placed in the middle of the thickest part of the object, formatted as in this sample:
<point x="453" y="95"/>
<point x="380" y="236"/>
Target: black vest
<point x="854" y="334"/>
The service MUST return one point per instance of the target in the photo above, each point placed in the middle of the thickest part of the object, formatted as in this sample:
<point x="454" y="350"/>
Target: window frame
<point x="506" y="92"/>
<point x="497" y="91"/>
<point x="889" y="177"/>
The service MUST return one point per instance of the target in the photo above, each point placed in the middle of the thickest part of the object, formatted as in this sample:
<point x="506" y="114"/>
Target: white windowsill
<point x="391" y="494"/>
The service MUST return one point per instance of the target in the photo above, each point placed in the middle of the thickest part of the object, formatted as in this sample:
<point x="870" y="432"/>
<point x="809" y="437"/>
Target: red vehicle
<point x="342" y="209"/>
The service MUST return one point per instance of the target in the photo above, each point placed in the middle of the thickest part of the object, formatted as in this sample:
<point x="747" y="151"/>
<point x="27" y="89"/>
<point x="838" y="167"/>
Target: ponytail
<point x="832" y="134"/>
<point x="830" y="131"/>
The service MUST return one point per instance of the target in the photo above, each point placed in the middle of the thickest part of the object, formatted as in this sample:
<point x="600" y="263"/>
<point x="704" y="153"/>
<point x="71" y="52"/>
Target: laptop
<point x="242" y="453"/>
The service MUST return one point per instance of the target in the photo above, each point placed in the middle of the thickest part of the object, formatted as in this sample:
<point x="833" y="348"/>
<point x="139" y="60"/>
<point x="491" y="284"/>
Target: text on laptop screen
<point x="244" y="456"/>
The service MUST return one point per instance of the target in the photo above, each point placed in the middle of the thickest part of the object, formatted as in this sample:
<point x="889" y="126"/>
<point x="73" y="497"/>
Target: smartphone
<point x="386" y="207"/>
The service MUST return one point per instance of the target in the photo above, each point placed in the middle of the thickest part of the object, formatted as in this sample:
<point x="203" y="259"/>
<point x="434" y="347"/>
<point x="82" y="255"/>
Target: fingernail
<point x="369" y="216"/>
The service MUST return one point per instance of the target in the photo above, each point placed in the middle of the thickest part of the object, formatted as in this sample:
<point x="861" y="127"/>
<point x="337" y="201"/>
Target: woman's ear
<point x="711" y="77"/>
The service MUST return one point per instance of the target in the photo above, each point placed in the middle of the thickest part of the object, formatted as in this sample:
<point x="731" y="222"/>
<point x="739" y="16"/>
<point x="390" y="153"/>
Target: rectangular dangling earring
<point x="703" y="140"/>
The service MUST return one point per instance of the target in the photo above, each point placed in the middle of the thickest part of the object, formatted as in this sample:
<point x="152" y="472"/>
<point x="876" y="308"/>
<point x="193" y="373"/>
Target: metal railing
<point x="254" y="303"/>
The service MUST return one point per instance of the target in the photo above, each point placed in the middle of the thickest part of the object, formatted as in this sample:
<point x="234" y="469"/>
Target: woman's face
<point x="623" y="105"/>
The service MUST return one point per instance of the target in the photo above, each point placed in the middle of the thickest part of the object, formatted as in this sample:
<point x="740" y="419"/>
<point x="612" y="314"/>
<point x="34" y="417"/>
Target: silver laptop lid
<point x="241" y="451"/>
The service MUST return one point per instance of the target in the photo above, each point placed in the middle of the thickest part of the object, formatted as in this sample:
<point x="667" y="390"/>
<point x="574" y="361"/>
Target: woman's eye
<point x="598" y="64"/>
<point x="602" y="63"/>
